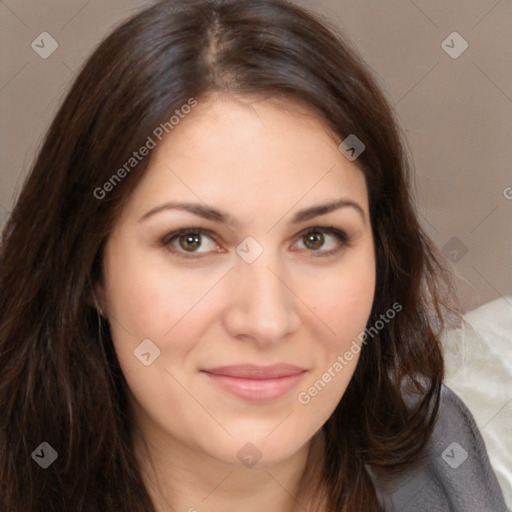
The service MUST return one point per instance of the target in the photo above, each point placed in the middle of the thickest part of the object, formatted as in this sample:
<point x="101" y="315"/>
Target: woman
<point x="215" y="290"/>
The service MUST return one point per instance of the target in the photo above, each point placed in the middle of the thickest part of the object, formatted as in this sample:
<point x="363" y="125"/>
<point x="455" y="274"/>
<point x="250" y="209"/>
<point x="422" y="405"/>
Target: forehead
<point x="247" y="123"/>
<point x="259" y="153"/>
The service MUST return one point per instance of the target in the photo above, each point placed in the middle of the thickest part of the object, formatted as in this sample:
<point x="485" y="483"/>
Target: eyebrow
<point x="216" y="215"/>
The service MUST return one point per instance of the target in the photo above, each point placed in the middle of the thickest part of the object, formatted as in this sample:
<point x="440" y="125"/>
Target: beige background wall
<point x="456" y="112"/>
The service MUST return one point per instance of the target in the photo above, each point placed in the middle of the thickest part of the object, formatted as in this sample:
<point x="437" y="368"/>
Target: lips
<point x="249" y="371"/>
<point x="256" y="383"/>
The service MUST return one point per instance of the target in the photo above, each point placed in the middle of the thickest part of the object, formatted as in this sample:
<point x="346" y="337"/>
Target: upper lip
<point x="250" y="371"/>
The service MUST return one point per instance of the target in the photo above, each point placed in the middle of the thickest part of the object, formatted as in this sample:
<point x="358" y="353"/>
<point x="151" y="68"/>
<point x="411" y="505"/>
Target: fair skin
<point x="295" y="303"/>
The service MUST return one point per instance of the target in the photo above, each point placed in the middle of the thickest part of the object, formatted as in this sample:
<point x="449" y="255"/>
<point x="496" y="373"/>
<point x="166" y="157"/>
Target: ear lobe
<point x="98" y="297"/>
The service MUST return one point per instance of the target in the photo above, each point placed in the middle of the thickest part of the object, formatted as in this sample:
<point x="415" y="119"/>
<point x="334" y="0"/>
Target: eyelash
<point x="342" y="237"/>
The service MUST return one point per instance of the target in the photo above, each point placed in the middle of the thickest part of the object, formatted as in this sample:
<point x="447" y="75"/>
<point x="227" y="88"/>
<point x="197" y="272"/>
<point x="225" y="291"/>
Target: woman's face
<point x="236" y="330"/>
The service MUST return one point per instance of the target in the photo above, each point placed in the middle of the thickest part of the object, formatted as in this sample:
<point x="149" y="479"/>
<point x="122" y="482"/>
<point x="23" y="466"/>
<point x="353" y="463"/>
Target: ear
<point x="99" y="299"/>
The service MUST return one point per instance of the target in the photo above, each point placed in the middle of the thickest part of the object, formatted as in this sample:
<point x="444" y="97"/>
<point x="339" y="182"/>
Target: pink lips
<point x="257" y="383"/>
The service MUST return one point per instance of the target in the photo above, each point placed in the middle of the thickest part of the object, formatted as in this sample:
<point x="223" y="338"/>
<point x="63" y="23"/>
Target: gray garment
<point x="455" y="475"/>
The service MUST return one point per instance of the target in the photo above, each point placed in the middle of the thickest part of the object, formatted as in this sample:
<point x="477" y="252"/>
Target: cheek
<point x="343" y="303"/>
<point x="345" y="307"/>
<point x="150" y="300"/>
<point x="344" y="299"/>
<point x="146" y="297"/>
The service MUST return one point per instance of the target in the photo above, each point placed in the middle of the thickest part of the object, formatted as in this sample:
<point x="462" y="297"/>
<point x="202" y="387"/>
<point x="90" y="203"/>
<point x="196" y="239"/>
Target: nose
<point x="262" y="305"/>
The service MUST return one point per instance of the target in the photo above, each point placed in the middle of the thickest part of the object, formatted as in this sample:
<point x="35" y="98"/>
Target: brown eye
<point x="314" y="240"/>
<point x="323" y="241"/>
<point x="190" y="242"/>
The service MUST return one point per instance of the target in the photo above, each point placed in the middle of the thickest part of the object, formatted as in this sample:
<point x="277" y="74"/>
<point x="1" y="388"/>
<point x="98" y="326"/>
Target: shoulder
<point x="455" y="474"/>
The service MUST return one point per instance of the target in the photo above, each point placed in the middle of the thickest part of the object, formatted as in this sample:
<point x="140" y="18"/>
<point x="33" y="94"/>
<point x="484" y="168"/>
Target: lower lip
<point x="257" y="390"/>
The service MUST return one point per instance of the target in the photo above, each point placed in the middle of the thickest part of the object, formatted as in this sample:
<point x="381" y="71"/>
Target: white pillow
<point x="478" y="360"/>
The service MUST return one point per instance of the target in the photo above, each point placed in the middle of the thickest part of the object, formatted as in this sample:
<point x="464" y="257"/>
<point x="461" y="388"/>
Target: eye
<point x="194" y="242"/>
<point x="189" y="241"/>
<point x="323" y="240"/>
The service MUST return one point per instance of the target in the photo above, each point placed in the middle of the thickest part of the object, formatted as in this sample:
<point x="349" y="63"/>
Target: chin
<point x="256" y="450"/>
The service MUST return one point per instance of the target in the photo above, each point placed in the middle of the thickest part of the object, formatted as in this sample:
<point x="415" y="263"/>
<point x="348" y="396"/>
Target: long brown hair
<point x="61" y="382"/>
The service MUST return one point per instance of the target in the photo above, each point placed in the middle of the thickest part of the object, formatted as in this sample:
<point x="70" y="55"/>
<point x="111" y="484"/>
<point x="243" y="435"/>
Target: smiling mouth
<point x="257" y="383"/>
